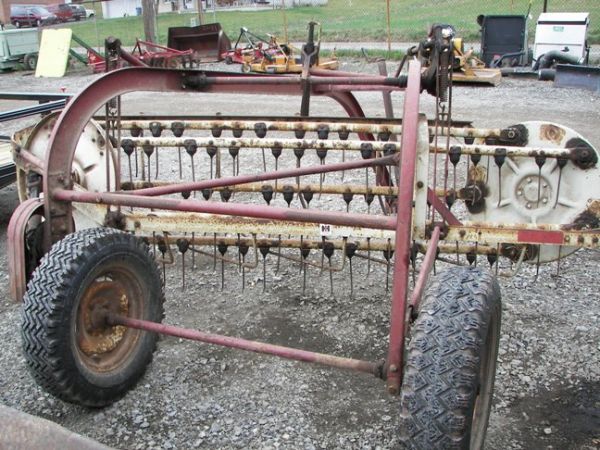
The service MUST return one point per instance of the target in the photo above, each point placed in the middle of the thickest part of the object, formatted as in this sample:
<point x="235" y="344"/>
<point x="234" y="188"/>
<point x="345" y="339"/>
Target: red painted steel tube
<point x="30" y="159"/>
<point x="230" y="209"/>
<point x="131" y="59"/>
<point x="16" y="245"/>
<point x="426" y="267"/>
<point x="410" y="123"/>
<point x="315" y="81"/>
<point x="274" y="175"/>
<point x="253" y="346"/>
<point x="442" y="209"/>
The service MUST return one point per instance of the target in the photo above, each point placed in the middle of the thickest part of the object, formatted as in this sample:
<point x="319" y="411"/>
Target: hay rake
<point x="111" y="201"/>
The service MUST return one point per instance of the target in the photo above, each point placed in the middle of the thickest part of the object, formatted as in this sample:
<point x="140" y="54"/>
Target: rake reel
<point x="116" y="203"/>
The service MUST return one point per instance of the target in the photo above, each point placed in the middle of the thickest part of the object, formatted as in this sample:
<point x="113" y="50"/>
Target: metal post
<point x="403" y="228"/>
<point x="201" y="12"/>
<point x="389" y="27"/>
<point x="545" y="6"/>
<point x="149" y="16"/>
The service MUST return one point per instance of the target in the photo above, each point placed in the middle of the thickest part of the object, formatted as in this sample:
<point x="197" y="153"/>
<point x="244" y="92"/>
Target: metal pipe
<point x="260" y="143"/>
<point x="425" y="270"/>
<point x="403" y="228"/>
<point x="228" y="209"/>
<point x="278" y="174"/>
<point x="281" y="187"/>
<point x="490" y="150"/>
<point x="253" y="346"/>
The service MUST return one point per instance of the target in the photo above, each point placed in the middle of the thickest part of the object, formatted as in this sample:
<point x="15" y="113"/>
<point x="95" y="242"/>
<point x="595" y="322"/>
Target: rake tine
<point x="222" y="250"/>
<point x="264" y="251"/>
<point x="278" y="253"/>
<point x="561" y="162"/>
<point x="537" y="264"/>
<point x="179" y="158"/>
<point x="183" y="245"/>
<point x="214" y="251"/>
<point x="156" y="171"/>
<point x="369" y="257"/>
<point x="193" y="252"/>
<point x="498" y="258"/>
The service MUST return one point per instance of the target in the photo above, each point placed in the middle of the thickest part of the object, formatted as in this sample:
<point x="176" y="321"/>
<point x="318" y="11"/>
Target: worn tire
<point x="69" y="351"/>
<point x="451" y="362"/>
<point x="30" y="61"/>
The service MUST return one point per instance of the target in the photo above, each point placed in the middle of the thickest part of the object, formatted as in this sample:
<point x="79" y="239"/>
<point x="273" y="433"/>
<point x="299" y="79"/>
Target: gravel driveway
<point x="201" y="396"/>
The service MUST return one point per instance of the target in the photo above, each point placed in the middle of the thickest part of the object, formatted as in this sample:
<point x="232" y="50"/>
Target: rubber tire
<point x="30" y="61"/>
<point x="246" y="68"/>
<point x="50" y="308"/>
<point x="17" y="24"/>
<point x="457" y="330"/>
<point x="228" y="60"/>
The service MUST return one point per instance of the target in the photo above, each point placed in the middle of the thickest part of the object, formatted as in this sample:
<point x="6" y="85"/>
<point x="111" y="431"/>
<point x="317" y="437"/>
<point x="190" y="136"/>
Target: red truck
<point x="62" y="11"/>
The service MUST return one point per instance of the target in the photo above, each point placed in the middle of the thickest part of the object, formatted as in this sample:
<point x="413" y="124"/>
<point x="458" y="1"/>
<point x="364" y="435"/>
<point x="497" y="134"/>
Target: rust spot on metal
<point x="588" y="219"/>
<point x="552" y="133"/>
<point x="582" y="153"/>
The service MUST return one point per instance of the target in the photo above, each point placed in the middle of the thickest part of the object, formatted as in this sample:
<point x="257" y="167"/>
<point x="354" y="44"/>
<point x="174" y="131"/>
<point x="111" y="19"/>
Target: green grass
<point x="347" y="20"/>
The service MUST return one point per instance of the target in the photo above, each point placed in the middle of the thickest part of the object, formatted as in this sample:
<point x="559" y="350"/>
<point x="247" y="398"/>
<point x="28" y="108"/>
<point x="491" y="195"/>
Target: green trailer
<point x="19" y="46"/>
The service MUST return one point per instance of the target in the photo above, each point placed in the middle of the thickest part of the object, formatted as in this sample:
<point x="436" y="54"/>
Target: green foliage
<point x="347" y="20"/>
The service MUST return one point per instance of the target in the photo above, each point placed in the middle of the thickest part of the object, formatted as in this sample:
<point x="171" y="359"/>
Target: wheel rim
<point x="102" y="348"/>
<point x="483" y="401"/>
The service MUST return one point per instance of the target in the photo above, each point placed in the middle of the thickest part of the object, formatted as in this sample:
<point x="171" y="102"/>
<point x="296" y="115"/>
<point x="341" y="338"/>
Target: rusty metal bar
<point x="260" y="143"/>
<point x="491" y="150"/>
<point x="275" y="175"/>
<point x="28" y="160"/>
<point x="425" y="270"/>
<point x="279" y="125"/>
<point x="317" y="244"/>
<point x="253" y="346"/>
<point x="281" y="187"/>
<point x="229" y="209"/>
<point x="403" y="229"/>
<point x="490" y="233"/>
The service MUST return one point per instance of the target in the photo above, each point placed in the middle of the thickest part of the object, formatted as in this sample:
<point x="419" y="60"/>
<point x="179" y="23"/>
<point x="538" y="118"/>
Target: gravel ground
<point x="200" y="396"/>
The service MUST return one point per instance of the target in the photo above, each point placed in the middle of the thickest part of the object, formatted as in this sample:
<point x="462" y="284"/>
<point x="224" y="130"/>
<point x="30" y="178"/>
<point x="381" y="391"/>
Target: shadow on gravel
<point x="566" y="418"/>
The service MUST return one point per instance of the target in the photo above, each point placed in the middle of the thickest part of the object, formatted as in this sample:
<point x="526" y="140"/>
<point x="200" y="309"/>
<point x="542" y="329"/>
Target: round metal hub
<point x="89" y="161"/>
<point x="533" y="194"/>
<point x="523" y="191"/>
<point x="103" y="347"/>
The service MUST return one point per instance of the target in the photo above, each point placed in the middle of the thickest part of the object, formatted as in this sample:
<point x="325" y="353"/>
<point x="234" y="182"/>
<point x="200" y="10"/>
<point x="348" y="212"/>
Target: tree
<point x="149" y="11"/>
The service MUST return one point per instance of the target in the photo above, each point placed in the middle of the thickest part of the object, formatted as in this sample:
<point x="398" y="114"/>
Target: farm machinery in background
<point x="269" y="56"/>
<point x="316" y="192"/>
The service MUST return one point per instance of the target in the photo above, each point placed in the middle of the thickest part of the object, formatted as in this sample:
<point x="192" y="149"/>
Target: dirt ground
<point x="200" y="396"/>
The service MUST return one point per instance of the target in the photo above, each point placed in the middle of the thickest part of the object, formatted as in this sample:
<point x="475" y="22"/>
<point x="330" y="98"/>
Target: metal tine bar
<point x="320" y="265"/>
<point x="364" y="244"/>
<point x="245" y="265"/>
<point x="307" y="125"/>
<point x="256" y="143"/>
<point x="325" y="189"/>
<point x="491" y="150"/>
<point x="278" y="174"/>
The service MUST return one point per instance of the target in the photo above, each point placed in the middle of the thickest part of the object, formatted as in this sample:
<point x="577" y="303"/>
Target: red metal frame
<point x="63" y="142"/>
<point x="410" y="122"/>
<point x="16" y="250"/>
<point x="60" y="195"/>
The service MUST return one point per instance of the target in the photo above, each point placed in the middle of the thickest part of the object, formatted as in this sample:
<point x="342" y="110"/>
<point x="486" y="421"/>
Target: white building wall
<point x="120" y="8"/>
